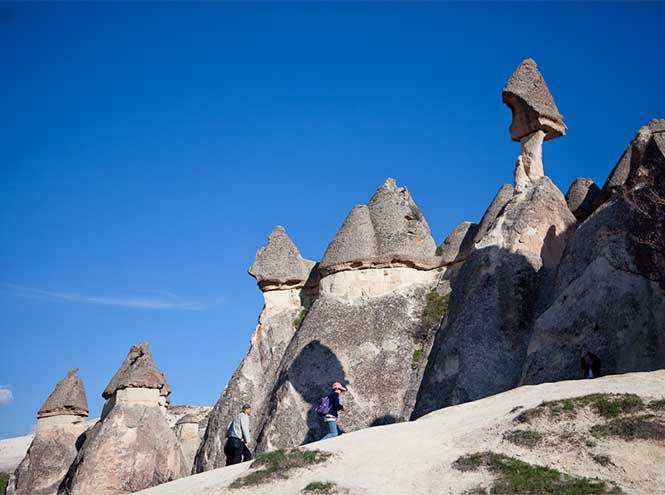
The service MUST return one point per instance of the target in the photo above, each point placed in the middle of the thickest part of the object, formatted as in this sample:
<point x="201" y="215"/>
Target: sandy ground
<point x="416" y="457"/>
<point x="12" y="452"/>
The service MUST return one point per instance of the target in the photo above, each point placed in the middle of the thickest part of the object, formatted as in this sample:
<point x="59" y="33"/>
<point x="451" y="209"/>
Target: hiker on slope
<point x="238" y="438"/>
<point x="330" y="417"/>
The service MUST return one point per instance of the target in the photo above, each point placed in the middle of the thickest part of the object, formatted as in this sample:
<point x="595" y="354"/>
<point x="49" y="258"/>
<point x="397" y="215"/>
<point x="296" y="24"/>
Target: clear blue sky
<point x="147" y="150"/>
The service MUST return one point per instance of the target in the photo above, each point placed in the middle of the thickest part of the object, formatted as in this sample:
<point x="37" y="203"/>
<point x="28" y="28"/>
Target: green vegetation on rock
<point x="4" y="478"/>
<point x="417" y="358"/>
<point x="514" y="477"/>
<point x="300" y="318"/>
<point x="643" y="427"/>
<point x="606" y="405"/>
<point x="524" y="438"/>
<point x="277" y="465"/>
<point x="320" y="487"/>
<point x="436" y="307"/>
<point x="657" y="405"/>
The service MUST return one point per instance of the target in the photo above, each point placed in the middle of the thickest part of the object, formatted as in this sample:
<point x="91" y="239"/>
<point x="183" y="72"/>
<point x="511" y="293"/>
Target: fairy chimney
<point x="536" y="118"/>
<point x="60" y="423"/>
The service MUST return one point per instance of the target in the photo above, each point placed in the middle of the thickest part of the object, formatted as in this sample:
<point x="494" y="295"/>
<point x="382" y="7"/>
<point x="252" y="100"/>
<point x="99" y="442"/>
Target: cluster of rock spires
<point x="541" y="279"/>
<point x="131" y="447"/>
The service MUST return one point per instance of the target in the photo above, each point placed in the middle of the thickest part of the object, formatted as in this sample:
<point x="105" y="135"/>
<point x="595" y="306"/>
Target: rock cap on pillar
<point x="68" y="397"/>
<point x="279" y="265"/>
<point x="532" y="104"/>
<point x="138" y="371"/>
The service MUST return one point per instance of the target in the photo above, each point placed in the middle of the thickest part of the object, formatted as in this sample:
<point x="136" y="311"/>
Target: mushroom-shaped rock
<point x="581" y="198"/>
<point x="132" y="447"/>
<point x="68" y="397"/>
<point x="60" y="423"/>
<point x="535" y="119"/>
<point x="459" y="243"/>
<point x="532" y="104"/>
<point x="138" y="370"/>
<point x="279" y="265"/>
<point x="389" y="231"/>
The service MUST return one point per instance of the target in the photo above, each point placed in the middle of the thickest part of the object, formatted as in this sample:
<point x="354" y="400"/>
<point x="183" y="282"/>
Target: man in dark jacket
<point x="591" y="365"/>
<point x="238" y="438"/>
<point x="335" y="406"/>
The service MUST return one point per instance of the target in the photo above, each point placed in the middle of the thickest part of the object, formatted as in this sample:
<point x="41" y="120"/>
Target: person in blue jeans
<point x="335" y="406"/>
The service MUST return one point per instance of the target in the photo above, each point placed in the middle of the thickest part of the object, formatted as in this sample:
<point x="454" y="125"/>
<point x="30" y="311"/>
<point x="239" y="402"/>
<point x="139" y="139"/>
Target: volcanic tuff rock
<point x="279" y="264"/>
<point x="532" y="104"/>
<point x="609" y="294"/>
<point x="254" y="379"/>
<point x="389" y="231"/>
<point x="459" y="243"/>
<point x="68" y="397"/>
<point x="60" y="423"/>
<point x="132" y="447"/>
<point x="187" y="432"/>
<point x="581" y="198"/>
<point x="138" y="371"/>
<point x="503" y="195"/>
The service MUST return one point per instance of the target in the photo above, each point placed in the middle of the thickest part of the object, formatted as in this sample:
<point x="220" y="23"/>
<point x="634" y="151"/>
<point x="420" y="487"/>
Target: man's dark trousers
<point x="236" y="451"/>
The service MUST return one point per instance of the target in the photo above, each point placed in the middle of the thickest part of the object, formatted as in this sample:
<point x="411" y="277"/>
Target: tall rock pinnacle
<point x="536" y="118"/>
<point x="60" y="423"/>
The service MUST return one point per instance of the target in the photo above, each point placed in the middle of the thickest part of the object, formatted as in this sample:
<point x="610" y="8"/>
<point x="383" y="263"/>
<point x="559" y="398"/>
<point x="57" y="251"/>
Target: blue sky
<point x="147" y="150"/>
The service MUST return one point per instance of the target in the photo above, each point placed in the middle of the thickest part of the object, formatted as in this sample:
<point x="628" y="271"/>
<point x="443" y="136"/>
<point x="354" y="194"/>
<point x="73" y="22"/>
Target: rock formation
<point x="289" y="284"/>
<point x="609" y="292"/>
<point x="60" y="423"/>
<point x="535" y="118"/>
<point x="390" y="231"/>
<point x="187" y="432"/>
<point x="132" y="446"/>
<point x="365" y="329"/>
<point x="581" y="198"/>
<point x="480" y="347"/>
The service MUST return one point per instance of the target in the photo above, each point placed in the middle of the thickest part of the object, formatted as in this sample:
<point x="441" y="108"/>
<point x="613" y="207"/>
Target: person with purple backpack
<point x="329" y="407"/>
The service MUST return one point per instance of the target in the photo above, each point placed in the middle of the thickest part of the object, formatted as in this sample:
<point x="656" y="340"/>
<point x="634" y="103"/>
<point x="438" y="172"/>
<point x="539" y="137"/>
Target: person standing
<point x="335" y="406"/>
<point x="238" y="438"/>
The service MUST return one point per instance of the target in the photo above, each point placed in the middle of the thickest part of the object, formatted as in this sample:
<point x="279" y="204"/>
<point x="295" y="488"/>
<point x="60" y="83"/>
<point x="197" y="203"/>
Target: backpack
<point x="324" y="406"/>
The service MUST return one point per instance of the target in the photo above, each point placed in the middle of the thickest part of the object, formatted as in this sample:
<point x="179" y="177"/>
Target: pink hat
<point x="338" y="386"/>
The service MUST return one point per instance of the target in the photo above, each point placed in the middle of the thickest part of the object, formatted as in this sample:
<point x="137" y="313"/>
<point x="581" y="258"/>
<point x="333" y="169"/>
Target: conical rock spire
<point x="279" y="265"/>
<point x="389" y="231"/>
<point x="68" y="397"/>
<point x="532" y="104"/>
<point x="138" y="371"/>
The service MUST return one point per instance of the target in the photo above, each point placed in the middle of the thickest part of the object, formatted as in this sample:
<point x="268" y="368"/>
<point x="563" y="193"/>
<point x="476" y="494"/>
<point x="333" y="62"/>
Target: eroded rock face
<point x="459" y="243"/>
<point x="376" y="346"/>
<point x="390" y="231"/>
<point x="187" y="433"/>
<point x="480" y="346"/>
<point x="503" y="195"/>
<point x="581" y="198"/>
<point x="536" y="221"/>
<point x="609" y="292"/>
<point x="60" y="424"/>
<point x="132" y="447"/>
<point x="253" y="381"/>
